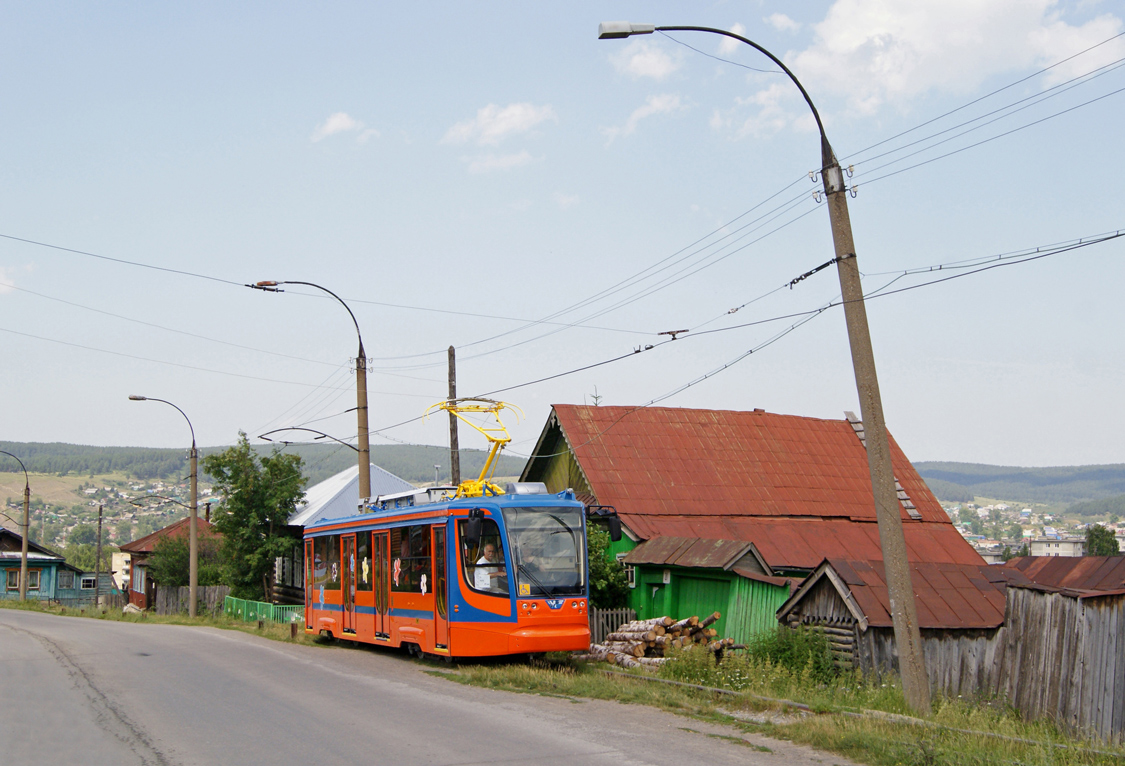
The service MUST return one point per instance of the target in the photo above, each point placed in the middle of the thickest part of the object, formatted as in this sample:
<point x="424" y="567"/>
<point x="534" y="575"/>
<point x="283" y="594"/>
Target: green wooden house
<point x="728" y="511"/>
<point x="49" y="577"/>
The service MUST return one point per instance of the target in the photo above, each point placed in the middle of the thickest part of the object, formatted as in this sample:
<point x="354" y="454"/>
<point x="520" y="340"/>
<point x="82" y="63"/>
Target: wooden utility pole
<point x="454" y="447"/>
<point x="98" y="562"/>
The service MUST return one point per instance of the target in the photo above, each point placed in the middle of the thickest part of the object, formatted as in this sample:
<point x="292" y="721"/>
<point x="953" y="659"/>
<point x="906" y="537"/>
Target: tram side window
<point x="364" y="565"/>
<point x="410" y="560"/>
<point x="326" y="550"/>
<point x="483" y="563"/>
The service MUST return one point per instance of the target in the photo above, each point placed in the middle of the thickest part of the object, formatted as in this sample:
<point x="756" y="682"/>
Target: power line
<point x="120" y="260"/>
<point x="984" y="141"/>
<point x="719" y="58"/>
<point x="986" y="96"/>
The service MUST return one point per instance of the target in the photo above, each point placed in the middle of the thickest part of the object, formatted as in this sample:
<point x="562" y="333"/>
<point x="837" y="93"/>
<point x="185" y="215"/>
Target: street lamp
<point x="26" y="525"/>
<point x="193" y="535"/>
<point x="360" y="384"/>
<point x="915" y="685"/>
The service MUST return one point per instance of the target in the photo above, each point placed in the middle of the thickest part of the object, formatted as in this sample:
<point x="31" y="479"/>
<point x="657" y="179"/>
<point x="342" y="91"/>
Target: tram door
<point x="347" y="553"/>
<point x="441" y="590"/>
<point x="310" y="581"/>
<point x="380" y="549"/>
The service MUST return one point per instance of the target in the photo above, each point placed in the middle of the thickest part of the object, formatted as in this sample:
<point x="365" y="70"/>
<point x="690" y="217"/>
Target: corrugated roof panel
<point x="1087" y="573"/>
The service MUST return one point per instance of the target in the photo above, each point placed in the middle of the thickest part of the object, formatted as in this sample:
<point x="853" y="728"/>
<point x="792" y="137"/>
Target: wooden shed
<point x="683" y="576"/>
<point x="960" y="611"/>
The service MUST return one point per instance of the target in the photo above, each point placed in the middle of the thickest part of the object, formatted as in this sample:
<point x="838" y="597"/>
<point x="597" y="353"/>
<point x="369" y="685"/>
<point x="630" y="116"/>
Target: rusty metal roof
<point x="798" y="488"/>
<point x="1079" y="573"/>
<point x="689" y="552"/>
<point x="946" y="595"/>
<point x="148" y="542"/>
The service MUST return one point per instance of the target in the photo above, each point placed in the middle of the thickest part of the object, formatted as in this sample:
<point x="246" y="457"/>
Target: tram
<point x="466" y="571"/>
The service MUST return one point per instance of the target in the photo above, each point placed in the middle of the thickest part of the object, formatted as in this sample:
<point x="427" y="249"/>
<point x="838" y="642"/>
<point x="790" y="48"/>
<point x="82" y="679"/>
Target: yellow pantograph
<point x="496" y="434"/>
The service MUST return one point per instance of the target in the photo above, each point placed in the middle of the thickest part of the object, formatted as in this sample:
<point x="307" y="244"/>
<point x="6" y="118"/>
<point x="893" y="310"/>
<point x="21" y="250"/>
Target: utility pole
<point x="454" y="447"/>
<point x="361" y="412"/>
<point x="23" y="544"/>
<point x="193" y="534"/>
<point x="98" y="562"/>
<point x="908" y="640"/>
<point x="904" y="615"/>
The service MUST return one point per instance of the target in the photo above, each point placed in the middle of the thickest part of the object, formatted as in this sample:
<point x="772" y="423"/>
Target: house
<point x="960" y="611"/>
<point x="141" y="589"/>
<point x="1058" y="546"/>
<point x="1089" y="574"/>
<point x="796" y="490"/>
<point x="49" y="577"/>
<point x="335" y="497"/>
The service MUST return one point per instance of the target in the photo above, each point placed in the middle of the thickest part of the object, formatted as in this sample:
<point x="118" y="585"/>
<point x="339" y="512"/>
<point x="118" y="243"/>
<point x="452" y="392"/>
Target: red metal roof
<point x="798" y="488"/>
<point x="947" y="596"/>
<point x="148" y="542"/>
<point x="1080" y="573"/>
<point x="688" y="552"/>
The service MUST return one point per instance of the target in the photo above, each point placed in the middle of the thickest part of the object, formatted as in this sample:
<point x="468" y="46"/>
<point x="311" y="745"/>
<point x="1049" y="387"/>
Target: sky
<point x="493" y="177"/>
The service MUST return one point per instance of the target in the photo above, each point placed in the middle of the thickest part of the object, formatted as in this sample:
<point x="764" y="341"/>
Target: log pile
<point x="642" y="643"/>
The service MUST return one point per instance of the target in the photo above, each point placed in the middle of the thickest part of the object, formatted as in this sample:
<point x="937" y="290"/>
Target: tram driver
<point x="489" y="574"/>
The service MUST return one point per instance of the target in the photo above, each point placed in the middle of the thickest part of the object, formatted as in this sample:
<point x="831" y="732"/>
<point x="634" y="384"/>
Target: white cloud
<point x="781" y="22"/>
<point x="665" y="103"/>
<point x="493" y="124"/>
<point x="881" y="51"/>
<point x="367" y="135"/>
<point x="488" y="163"/>
<point x="641" y="58"/>
<point x="6" y="282"/>
<point x="729" y="45"/>
<point x="340" y="122"/>
<point x="565" y="201"/>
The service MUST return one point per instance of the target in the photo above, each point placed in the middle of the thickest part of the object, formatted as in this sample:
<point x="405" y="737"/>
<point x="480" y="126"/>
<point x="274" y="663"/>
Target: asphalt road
<point x="82" y="691"/>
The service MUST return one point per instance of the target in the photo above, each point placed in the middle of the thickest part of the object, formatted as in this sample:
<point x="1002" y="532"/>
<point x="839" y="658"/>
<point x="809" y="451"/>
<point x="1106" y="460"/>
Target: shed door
<point x="702" y="596"/>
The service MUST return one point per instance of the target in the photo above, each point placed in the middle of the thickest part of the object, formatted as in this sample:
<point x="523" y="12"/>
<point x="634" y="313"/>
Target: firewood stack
<point x="641" y="643"/>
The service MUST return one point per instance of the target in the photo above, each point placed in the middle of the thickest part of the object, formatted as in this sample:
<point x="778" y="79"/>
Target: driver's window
<point x="484" y="565"/>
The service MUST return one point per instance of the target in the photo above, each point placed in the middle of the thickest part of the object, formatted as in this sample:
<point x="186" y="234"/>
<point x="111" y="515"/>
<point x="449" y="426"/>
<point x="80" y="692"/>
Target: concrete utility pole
<point x="193" y="533"/>
<point x="98" y="561"/>
<point x="26" y="525"/>
<point x="454" y="447"/>
<point x="908" y="638"/>
<point x="272" y="286"/>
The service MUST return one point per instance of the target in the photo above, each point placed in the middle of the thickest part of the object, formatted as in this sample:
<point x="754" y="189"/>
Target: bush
<point x="799" y="650"/>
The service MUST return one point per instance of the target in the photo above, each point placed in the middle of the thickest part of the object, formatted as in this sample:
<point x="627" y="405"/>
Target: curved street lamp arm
<point x="310" y="430"/>
<point x="136" y="398"/>
<point x="26" y="481"/>
<point x="271" y="286"/>
<point x="624" y="29"/>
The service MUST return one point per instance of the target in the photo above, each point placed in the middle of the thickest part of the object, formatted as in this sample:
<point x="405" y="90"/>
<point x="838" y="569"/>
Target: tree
<point x="1100" y="541"/>
<point x="169" y="563"/>
<point x="259" y="495"/>
<point x="1015" y="532"/>
<point x="609" y="584"/>
<point x="82" y="534"/>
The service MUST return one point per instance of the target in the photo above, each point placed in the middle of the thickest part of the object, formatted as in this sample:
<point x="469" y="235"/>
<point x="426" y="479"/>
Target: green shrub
<point x="796" y="650"/>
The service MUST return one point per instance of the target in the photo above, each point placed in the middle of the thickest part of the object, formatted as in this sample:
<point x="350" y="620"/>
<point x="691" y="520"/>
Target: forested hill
<point x="1062" y="484"/>
<point x="413" y="463"/>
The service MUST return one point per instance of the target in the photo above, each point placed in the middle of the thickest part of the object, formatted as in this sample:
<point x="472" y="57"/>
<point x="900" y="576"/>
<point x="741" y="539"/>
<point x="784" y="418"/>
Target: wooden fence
<point x="605" y="621"/>
<point x="1064" y="659"/>
<point x="176" y="600"/>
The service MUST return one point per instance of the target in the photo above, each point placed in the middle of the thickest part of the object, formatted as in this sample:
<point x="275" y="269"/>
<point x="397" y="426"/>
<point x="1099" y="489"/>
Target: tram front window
<point x="547" y="550"/>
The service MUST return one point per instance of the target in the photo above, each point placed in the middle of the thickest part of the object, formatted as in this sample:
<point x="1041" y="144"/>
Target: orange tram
<point x="502" y="573"/>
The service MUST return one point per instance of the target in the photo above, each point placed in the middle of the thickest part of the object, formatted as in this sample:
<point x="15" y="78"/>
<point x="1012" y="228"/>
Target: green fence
<point x="252" y="611"/>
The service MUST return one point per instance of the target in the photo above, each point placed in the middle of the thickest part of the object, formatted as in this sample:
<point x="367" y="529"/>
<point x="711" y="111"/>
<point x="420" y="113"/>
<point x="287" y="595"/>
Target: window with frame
<point x="89" y="582"/>
<point x="483" y="563"/>
<point x="13" y="579"/>
<point x="364" y="565"/>
<point x="630" y="570"/>
<point x="33" y="579"/>
<point x="410" y="559"/>
<point x="66" y="579"/>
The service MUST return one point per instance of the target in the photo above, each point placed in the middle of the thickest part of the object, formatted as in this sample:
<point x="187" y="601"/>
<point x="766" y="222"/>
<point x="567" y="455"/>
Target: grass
<point x="850" y="719"/>
<point x="272" y="630"/>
